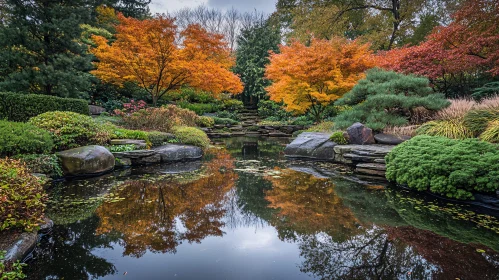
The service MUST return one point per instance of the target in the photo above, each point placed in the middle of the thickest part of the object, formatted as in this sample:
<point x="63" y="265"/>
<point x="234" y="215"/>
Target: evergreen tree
<point x="40" y="49"/>
<point x="129" y="8"/>
<point x="253" y="46"/>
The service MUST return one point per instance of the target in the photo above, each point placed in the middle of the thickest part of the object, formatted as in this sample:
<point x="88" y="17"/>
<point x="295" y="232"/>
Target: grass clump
<point x="204" y="121"/>
<point x="338" y="137"/>
<point x="491" y="133"/>
<point x="322" y="127"/>
<point x="454" y="129"/>
<point x="478" y="120"/>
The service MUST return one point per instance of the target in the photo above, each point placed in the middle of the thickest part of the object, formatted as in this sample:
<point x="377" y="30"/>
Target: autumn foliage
<point x="308" y="77"/>
<point x="161" y="59"/>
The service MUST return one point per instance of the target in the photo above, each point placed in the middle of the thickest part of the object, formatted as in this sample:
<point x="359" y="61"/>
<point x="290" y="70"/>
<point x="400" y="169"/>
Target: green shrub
<point x="322" y="127"/>
<point x="477" y="120"/>
<point x="386" y="98"/>
<point x="21" y="138"/>
<point x="121" y="148"/>
<point x="160" y="119"/>
<point x="10" y="271"/>
<point x="302" y="120"/>
<point x="225" y="121"/>
<point x="70" y="130"/>
<point x="491" y="134"/>
<point x="487" y="90"/>
<point x="339" y="138"/>
<point x="269" y="108"/>
<point x="199" y="108"/>
<point x="454" y="129"/>
<point x="158" y="138"/>
<point x="205" y="121"/>
<point x="21" y="107"/>
<point x="191" y="136"/>
<point x="22" y="197"/>
<point x="228" y="115"/>
<point x="43" y="164"/>
<point x="454" y="168"/>
<point x="232" y="105"/>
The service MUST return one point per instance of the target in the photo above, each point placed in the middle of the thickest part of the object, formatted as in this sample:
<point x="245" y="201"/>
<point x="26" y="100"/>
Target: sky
<point x="162" y="6"/>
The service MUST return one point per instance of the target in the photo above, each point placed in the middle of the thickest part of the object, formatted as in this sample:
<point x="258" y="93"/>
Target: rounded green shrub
<point x="43" y="164"/>
<point x="454" y="168"/>
<point x="71" y="130"/>
<point x="478" y="120"/>
<point x="21" y="195"/>
<point x="21" y="138"/>
<point x="339" y="138"/>
<point x="204" y="121"/>
<point x="158" y="138"/>
<point x="225" y="121"/>
<point x="454" y="129"/>
<point x="191" y="136"/>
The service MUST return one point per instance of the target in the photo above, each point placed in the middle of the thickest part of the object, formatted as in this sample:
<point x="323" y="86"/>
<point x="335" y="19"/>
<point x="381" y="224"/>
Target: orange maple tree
<point x="306" y="78"/>
<point x="155" y="55"/>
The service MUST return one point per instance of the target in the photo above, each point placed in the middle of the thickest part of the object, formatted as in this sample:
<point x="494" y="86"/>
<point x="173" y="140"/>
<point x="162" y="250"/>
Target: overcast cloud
<point x="163" y="6"/>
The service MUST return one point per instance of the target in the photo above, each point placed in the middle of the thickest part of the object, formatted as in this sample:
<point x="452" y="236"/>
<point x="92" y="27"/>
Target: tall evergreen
<point x="129" y="8"/>
<point x="40" y="49"/>
<point x="253" y="46"/>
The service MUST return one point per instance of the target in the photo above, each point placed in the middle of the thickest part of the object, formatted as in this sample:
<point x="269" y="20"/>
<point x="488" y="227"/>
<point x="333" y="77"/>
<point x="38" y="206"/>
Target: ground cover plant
<point x="22" y="138"/>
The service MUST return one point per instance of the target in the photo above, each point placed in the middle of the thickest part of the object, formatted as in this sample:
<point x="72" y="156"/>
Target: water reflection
<point x="225" y="222"/>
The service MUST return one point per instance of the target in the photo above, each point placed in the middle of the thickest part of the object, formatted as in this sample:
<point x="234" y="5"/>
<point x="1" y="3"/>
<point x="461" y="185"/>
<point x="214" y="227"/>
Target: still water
<point x="245" y="212"/>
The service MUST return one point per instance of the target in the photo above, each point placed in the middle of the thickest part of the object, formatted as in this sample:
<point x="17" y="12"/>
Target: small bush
<point x="487" y="90"/>
<point x="21" y="138"/>
<point x="43" y="164"/>
<point x="205" y="121"/>
<point x="454" y="168"/>
<point x="130" y="108"/>
<point x="22" y="197"/>
<point x="21" y="107"/>
<point x="158" y="138"/>
<point x="191" y="136"/>
<point x="491" y="133"/>
<point x="322" y="127"/>
<point x="232" y="105"/>
<point x="454" y="129"/>
<point x="302" y="120"/>
<point x="228" y="115"/>
<point x="339" y="138"/>
<point x="269" y="108"/>
<point x="225" y="121"/>
<point x="121" y="148"/>
<point x="71" y="130"/>
<point x="478" y="120"/>
<point x="199" y="108"/>
<point x="10" y="271"/>
<point x="160" y="119"/>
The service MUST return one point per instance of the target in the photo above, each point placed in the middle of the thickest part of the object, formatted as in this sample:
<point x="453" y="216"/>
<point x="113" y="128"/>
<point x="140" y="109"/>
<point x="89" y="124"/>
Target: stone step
<point x="139" y="144"/>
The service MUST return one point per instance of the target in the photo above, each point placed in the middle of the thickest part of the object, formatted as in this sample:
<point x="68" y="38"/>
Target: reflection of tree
<point x="308" y="205"/>
<point x="159" y="215"/>
<point x="67" y="253"/>
<point x="370" y="255"/>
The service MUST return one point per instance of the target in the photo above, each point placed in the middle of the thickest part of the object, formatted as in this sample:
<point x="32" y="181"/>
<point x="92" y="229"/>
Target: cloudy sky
<point x="162" y="6"/>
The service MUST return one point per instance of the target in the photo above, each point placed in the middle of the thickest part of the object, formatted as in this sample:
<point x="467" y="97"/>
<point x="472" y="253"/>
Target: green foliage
<point x="71" y="130"/>
<point x="252" y="55"/>
<point x="158" y="138"/>
<point x="386" y="98"/>
<point x="191" y="95"/>
<point x="487" y="90"/>
<point x="302" y="120"/>
<point x="228" y="115"/>
<point x="10" y="271"/>
<point x="454" y="168"/>
<point x="22" y="197"/>
<point x="477" y="120"/>
<point x="454" y="129"/>
<point x="21" y="107"/>
<point x="191" y="136"/>
<point x="205" y="121"/>
<point x="269" y="108"/>
<point x="43" y="164"/>
<point x="232" y="105"/>
<point x="160" y="119"/>
<point x="339" y="138"/>
<point x="121" y="148"/>
<point x="40" y="48"/>
<point x="225" y="121"/>
<point x="21" y="138"/>
<point x="199" y="108"/>
<point x="491" y="134"/>
<point x="322" y="127"/>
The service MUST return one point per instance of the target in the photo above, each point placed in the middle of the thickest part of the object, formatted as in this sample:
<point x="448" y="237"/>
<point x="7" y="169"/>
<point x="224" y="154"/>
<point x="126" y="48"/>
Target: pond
<point x="245" y="212"/>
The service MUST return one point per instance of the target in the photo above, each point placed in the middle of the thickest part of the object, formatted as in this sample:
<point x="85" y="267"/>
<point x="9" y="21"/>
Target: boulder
<point x="88" y="160"/>
<point x="96" y="110"/>
<point x="389" y="139"/>
<point x="173" y="153"/>
<point x="360" y="134"/>
<point x="311" y="145"/>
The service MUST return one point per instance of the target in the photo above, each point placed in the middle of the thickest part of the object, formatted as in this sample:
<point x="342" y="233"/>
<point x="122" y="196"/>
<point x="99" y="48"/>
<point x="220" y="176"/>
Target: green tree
<point x="386" y="98"/>
<point x="129" y="8"/>
<point x="40" y="49"/>
<point x="252" y="54"/>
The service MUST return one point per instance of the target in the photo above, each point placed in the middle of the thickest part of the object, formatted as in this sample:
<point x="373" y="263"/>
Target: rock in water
<point x="360" y="134"/>
<point x="389" y="139"/>
<point x="172" y="152"/>
<point x="88" y="160"/>
<point x="311" y="145"/>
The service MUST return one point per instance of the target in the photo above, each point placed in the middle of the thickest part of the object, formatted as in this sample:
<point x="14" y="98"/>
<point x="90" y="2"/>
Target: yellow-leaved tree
<point x="307" y="78"/>
<point x="157" y="56"/>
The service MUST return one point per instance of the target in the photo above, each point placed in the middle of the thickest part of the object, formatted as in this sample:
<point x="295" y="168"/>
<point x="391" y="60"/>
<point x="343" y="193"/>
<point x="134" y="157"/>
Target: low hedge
<point x="454" y="168"/>
<point x="22" y="138"/>
<point x="21" y="107"/>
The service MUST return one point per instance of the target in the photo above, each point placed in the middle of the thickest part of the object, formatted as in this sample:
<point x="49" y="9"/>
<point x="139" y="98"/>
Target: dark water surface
<point x="246" y="213"/>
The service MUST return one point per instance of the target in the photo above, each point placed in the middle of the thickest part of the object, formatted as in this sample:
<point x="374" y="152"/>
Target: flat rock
<point x="139" y="144"/>
<point x="96" y="110"/>
<point x="360" y="134"/>
<point x="88" y="160"/>
<point x="367" y="171"/>
<point x="17" y="245"/>
<point x="173" y="152"/>
<point x="389" y="139"/>
<point x="135" y="154"/>
<point x="311" y="145"/>
<point x="372" y="166"/>
<point x="374" y="150"/>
